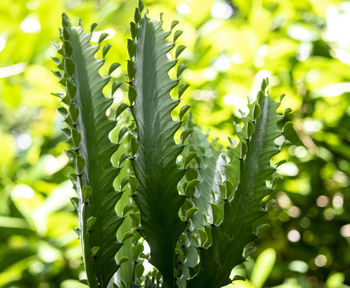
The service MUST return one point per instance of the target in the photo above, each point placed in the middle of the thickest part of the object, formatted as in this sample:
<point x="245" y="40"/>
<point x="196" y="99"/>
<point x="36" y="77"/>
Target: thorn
<point x="131" y="106"/>
<point x="212" y="225"/>
<point x="86" y="202"/>
<point x="131" y="158"/>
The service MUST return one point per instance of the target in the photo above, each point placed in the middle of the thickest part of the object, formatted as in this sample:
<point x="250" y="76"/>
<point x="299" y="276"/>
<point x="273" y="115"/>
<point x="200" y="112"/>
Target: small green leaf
<point x="75" y="202"/>
<point x="249" y="251"/>
<point x="244" y="149"/>
<point x="80" y="164"/>
<point x="67" y="49"/>
<point x="113" y="67"/>
<point x="216" y="213"/>
<point x="127" y="235"/>
<point x="135" y="219"/>
<point x="141" y="6"/>
<point x="261" y="228"/>
<point x="190" y="212"/>
<point x="179" y="51"/>
<point x="105" y="50"/>
<point x="93" y="26"/>
<point x="123" y="158"/>
<point x="137" y="15"/>
<point x="173" y="24"/>
<point x="115" y="86"/>
<point x="264" y="84"/>
<point x="238" y="277"/>
<point x="122" y="133"/>
<point x="190" y="187"/>
<point x="137" y="250"/>
<point x="63" y="111"/>
<point x="182" y="67"/>
<point x="56" y="60"/>
<point x="74" y="112"/>
<point x="256" y="111"/>
<point x="183" y="110"/>
<point x="132" y="95"/>
<point x="131" y="69"/>
<point x="182" y="89"/>
<point x="124" y="182"/>
<point x="121" y="109"/>
<point x="270" y="204"/>
<point x="76" y="137"/>
<point x="71" y="89"/>
<point x="131" y="48"/>
<point x="123" y="259"/>
<point x="250" y="129"/>
<point x="134" y="145"/>
<point x="67" y="132"/>
<point x="185" y="134"/>
<point x="139" y="270"/>
<point x="57" y="74"/>
<point x="203" y="236"/>
<point x="281" y="97"/>
<point x="133" y="30"/>
<point x="287" y="111"/>
<point x="103" y="36"/>
<point x="177" y="34"/>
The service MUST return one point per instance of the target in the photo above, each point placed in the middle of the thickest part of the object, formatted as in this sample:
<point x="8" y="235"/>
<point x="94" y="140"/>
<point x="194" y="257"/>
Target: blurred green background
<point x="303" y="46"/>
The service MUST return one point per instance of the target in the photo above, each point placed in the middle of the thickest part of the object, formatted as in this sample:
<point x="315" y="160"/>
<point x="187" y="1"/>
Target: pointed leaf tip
<point x="113" y="67"/>
<point x="105" y="50"/>
<point x="182" y="89"/>
<point x="179" y="50"/>
<point x="131" y="69"/>
<point x="93" y="26"/>
<point x="131" y="48"/>
<point x="133" y="30"/>
<point x="103" y="36"/>
<point x="173" y="24"/>
<point x="141" y="5"/>
<point x="183" y="110"/>
<point x="132" y="95"/>
<point x="137" y="15"/>
<point x="177" y="34"/>
<point x="182" y="67"/>
<point x="115" y="86"/>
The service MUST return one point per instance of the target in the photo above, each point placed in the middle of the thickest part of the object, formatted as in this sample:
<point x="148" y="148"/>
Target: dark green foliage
<point x="155" y="161"/>
<point x="196" y="226"/>
<point x="90" y="154"/>
<point x="242" y="208"/>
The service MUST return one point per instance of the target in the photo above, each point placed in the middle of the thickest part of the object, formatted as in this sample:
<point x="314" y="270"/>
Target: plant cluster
<point x="143" y="177"/>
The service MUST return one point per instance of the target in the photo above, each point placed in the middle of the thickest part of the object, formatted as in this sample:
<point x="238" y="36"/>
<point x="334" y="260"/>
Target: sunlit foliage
<point x="303" y="46"/>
